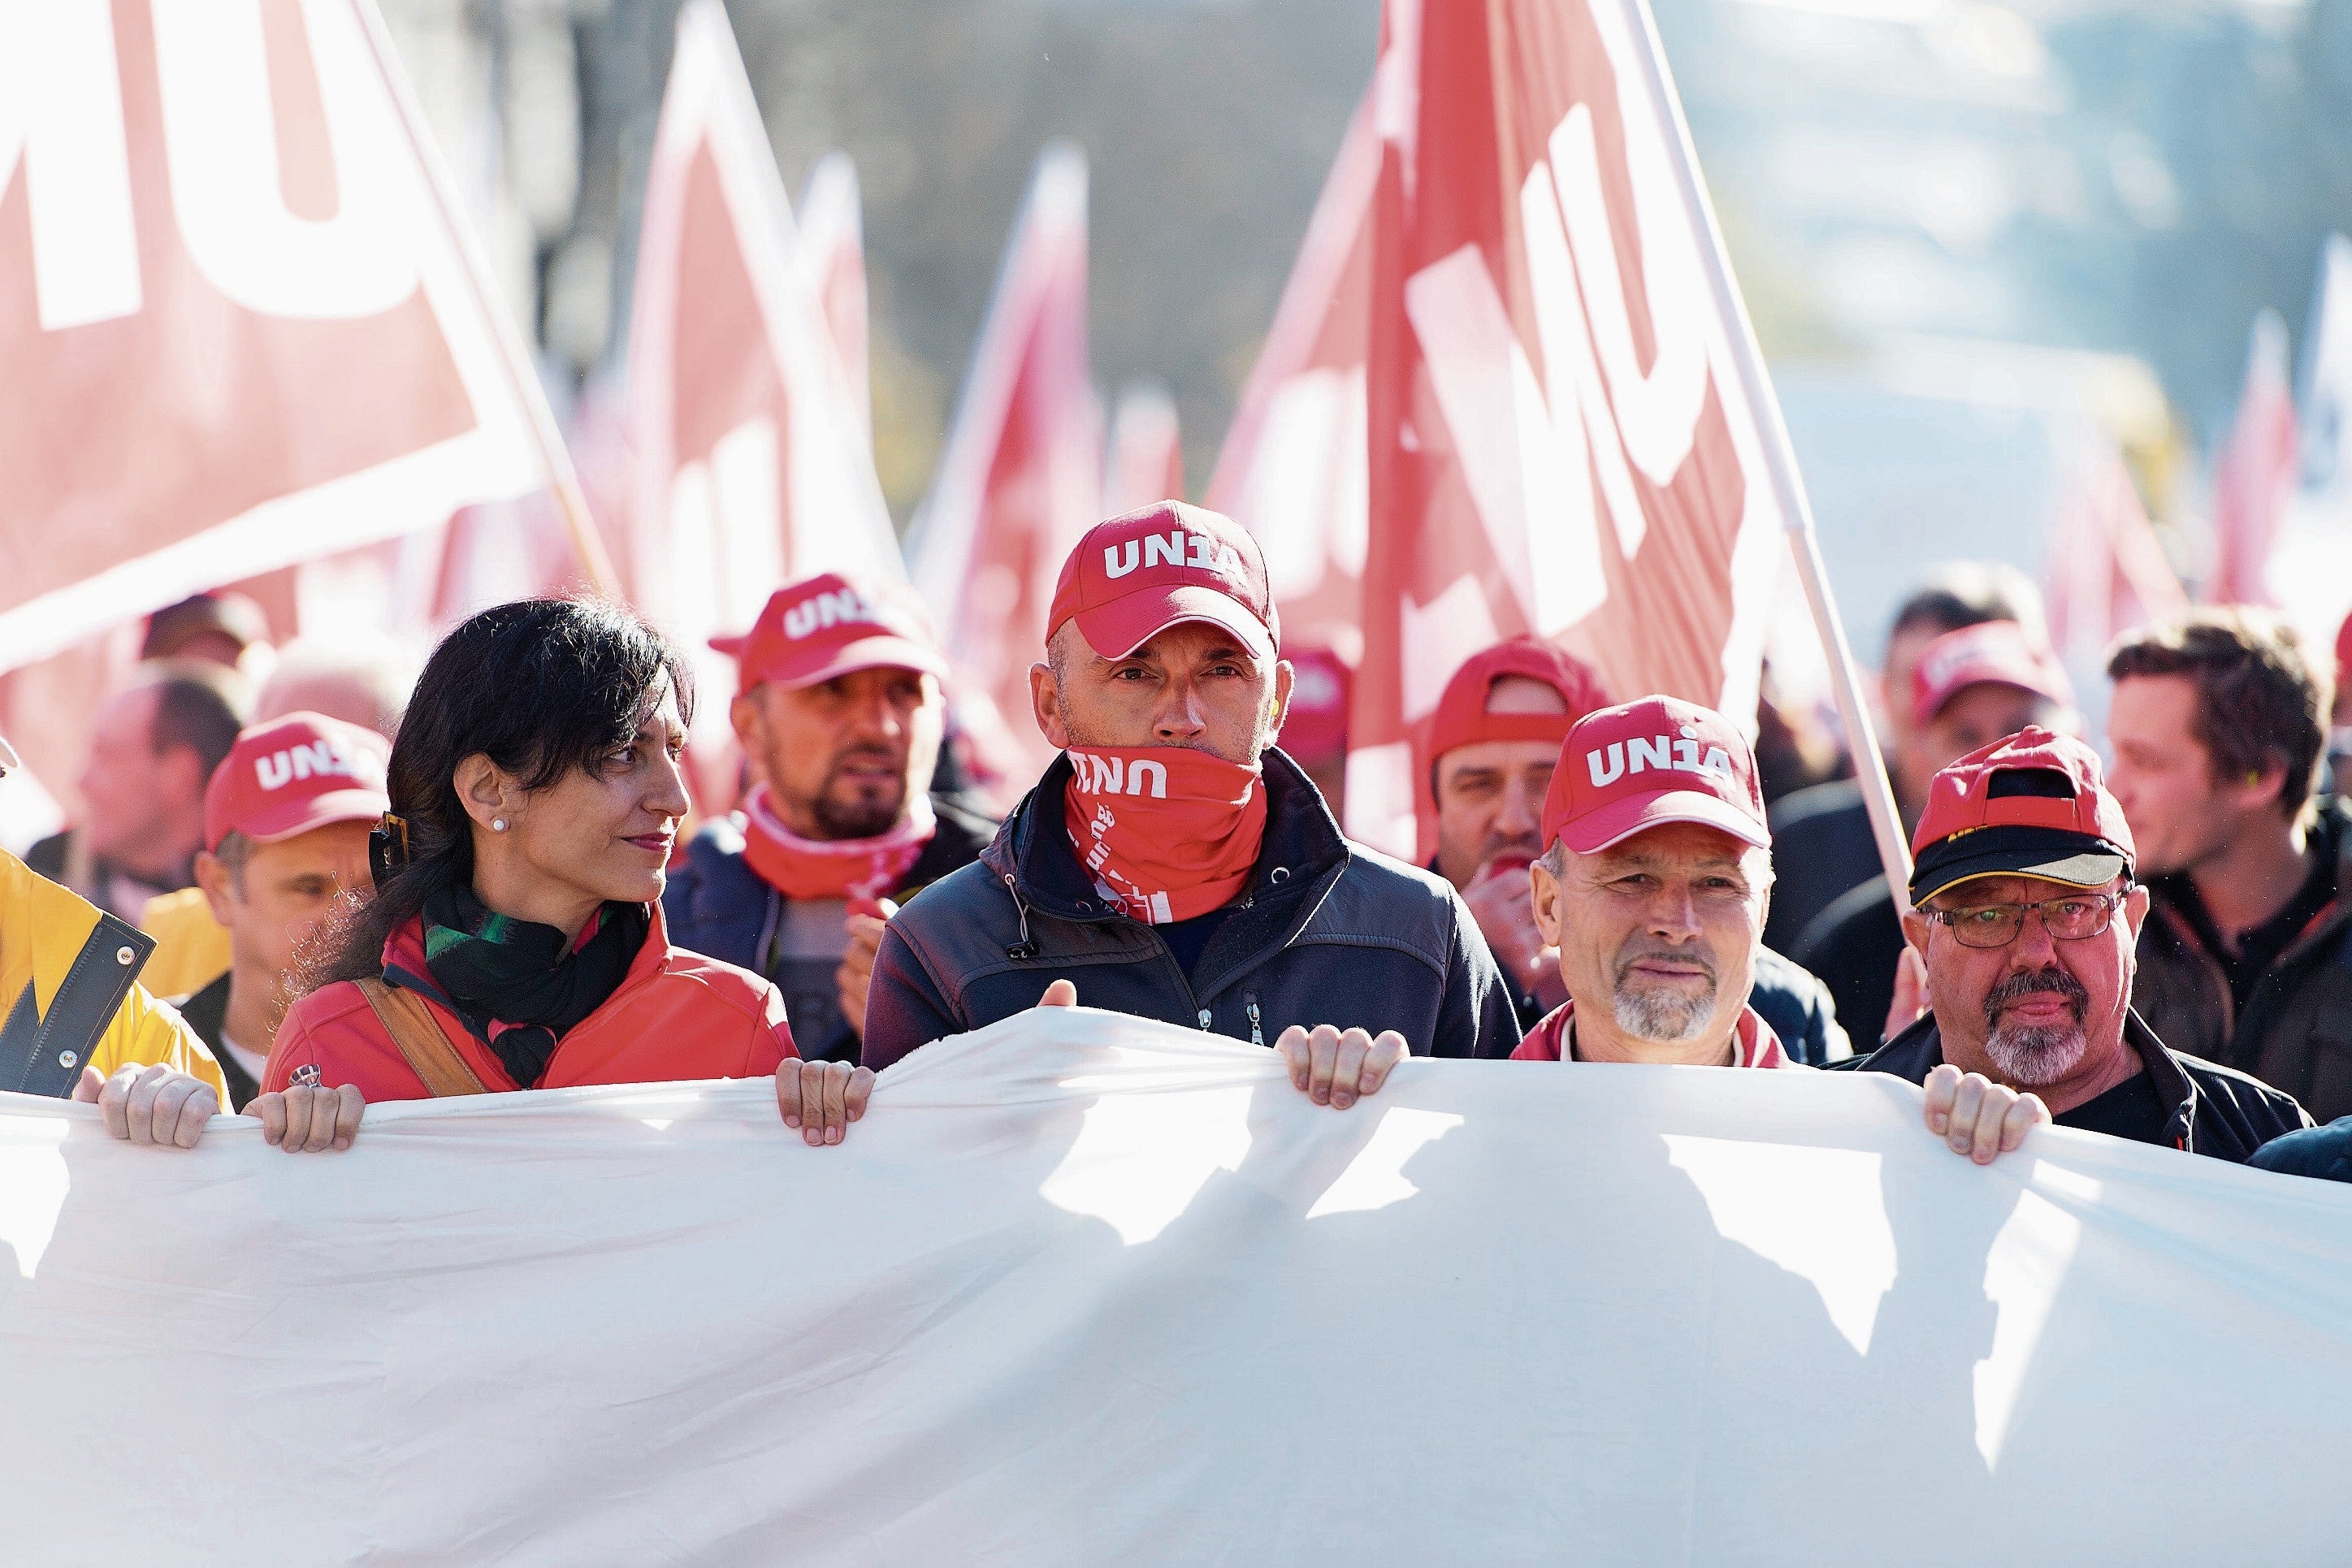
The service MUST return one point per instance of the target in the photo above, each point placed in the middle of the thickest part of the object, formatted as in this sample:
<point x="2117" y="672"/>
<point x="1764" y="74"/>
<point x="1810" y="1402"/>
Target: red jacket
<point x="677" y="1016"/>
<point x="1758" y="1045"/>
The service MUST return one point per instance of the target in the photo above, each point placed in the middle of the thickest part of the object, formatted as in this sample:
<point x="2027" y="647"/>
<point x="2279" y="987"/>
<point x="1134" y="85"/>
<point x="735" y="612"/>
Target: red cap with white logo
<point x="1998" y="653"/>
<point x="293" y="774"/>
<point x="1134" y="576"/>
<point x="1627" y="769"/>
<point x="827" y="626"/>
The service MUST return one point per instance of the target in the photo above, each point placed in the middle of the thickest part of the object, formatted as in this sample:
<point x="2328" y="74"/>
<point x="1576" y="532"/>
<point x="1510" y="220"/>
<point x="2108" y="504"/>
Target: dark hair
<point x="198" y="705"/>
<point x="539" y="687"/>
<point x="1967" y="593"/>
<point x="2260" y="698"/>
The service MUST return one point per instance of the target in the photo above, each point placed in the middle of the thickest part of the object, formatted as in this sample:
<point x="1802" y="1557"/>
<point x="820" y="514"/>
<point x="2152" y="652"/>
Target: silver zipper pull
<point x="1204" y="1017"/>
<point x="1257" y="1034"/>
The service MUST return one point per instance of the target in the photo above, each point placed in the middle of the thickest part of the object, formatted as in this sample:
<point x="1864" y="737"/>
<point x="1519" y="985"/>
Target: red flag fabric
<point x="239" y="331"/>
<point x="1021" y="477"/>
<point x="2254" y="477"/>
<point x="1146" y="452"/>
<point x="754" y="457"/>
<point x="833" y="246"/>
<point x="1293" y="468"/>
<point x="1558" y="442"/>
<point x="2105" y="571"/>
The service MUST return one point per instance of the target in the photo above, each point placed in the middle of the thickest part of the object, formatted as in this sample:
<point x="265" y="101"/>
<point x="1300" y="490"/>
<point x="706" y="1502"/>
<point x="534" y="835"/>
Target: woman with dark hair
<point x="515" y="940"/>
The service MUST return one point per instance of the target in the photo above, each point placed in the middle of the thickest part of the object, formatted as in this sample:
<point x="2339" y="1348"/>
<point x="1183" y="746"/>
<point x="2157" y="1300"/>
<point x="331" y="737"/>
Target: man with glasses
<point x="2023" y="865"/>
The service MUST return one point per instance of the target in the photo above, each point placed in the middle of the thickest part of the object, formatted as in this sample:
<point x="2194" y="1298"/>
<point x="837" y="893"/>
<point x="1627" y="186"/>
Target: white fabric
<point x="1087" y="1290"/>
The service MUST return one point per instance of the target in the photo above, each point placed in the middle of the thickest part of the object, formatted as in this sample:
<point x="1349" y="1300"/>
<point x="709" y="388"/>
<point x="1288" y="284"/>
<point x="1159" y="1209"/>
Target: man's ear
<point x="750" y="724"/>
<point x="214" y="877"/>
<point x="1915" y="932"/>
<point x="1543" y="891"/>
<point x="1286" y="681"/>
<point x="2135" y="911"/>
<point x="1045" y="703"/>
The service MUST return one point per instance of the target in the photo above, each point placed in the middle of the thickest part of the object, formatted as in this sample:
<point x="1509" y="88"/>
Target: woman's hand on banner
<point x="820" y="1100"/>
<point x="302" y="1120"/>
<point x="1337" y="1068"/>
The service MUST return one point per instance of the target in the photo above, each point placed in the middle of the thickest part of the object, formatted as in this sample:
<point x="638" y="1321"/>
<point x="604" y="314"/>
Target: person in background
<point x="1490" y="766"/>
<point x="1176" y="865"/>
<point x="2025" y="915"/>
<point x="364" y="682"/>
<point x="1822" y="836"/>
<point x="2339" y="734"/>
<point x="2219" y="723"/>
<point x="287" y="819"/>
<point x="1315" y="731"/>
<point x="226" y="629"/>
<point x="840" y="711"/>
<point x="154" y="747"/>
<point x="80" y="1027"/>
<point x="1969" y="688"/>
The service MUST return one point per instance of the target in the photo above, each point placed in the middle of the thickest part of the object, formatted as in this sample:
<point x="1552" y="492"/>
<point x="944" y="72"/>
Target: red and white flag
<point x="1022" y="475"/>
<point x="1559" y="441"/>
<point x="832" y="251"/>
<point x="1146" y="451"/>
<point x="2105" y="571"/>
<point x="2254" y="479"/>
<point x="751" y="456"/>
<point x="239" y="326"/>
<point x="1293" y="468"/>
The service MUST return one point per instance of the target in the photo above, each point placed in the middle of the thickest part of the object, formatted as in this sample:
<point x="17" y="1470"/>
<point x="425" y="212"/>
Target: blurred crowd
<point x="351" y="884"/>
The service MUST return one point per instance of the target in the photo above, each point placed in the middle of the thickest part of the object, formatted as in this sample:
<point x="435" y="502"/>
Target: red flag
<point x="1021" y="479"/>
<point x="2105" y="571"/>
<point x="1292" y="469"/>
<point x="1146" y="452"/>
<point x="833" y="246"/>
<point x="238" y="327"/>
<point x="2254" y="475"/>
<point x="1558" y="438"/>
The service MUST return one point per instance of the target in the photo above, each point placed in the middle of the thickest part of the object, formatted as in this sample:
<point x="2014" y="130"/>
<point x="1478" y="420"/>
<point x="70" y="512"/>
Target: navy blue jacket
<point x="2321" y="1151"/>
<point x="1327" y="932"/>
<point x="717" y="905"/>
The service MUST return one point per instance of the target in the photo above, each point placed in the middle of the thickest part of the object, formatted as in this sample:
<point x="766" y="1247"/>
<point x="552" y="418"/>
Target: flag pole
<point x="1788" y="485"/>
<point x="563" y="479"/>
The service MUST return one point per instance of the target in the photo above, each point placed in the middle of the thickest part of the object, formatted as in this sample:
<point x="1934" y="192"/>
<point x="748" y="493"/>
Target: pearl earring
<point x="497" y="825"/>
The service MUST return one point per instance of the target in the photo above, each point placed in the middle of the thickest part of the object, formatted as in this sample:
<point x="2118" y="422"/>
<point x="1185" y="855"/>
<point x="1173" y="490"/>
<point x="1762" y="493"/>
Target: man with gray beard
<point x="1654" y="885"/>
<point x="2026" y="916"/>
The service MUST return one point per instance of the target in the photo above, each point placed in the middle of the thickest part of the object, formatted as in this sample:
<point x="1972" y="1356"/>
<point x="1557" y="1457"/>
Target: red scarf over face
<point x="811" y="868"/>
<point x="1166" y="832"/>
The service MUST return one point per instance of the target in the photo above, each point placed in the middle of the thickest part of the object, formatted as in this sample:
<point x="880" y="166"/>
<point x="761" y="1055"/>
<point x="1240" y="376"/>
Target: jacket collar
<point x="1303" y="846"/>
<point x="1920" y="1050"/>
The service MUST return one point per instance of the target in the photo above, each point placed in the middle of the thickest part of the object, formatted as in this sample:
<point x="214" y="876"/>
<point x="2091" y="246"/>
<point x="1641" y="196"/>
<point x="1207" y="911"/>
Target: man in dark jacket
<point x="2023" y="863"/>
<point x="2219" y="723"/>
<point x="1174" y="865"/>
<point x="839" y="709"/>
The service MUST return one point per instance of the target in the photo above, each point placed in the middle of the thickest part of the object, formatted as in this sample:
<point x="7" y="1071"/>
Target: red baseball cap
<point x="1462" y="717"/>
<point x="1134" y="576"/>
<point x="1996" y="652"/>
<point x="2033" y="804"/>
<point x="1643" y="765"/>
<point x="295" y="773"/>
<point x="826" y="626"/>
<point x="1316" y="728"/>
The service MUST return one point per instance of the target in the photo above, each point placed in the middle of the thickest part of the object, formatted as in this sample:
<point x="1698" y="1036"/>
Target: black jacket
<point x="1821" y="847"/>
<point x="2215" y="1112"/>
<point x="2325" y="1152"/>
<point x="1854" y="945"/>
<point x="1327" y="932"/>
<point x="2296" y="1030"/>
<point x="717" y="905"/>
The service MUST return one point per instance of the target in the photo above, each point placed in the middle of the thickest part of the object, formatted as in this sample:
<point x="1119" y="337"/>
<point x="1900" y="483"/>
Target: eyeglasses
<point x="2069" y="919"/>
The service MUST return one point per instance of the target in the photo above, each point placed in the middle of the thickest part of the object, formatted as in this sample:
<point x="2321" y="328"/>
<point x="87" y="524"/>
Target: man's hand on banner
<point x="1337" y="1068"/>
<point x="820" y="1100"/>
<point x="1977" y="1116"/>
<point x="303" y="1119"/>
<point x="155" y="1105"/>
<point x="1061" y="993"/>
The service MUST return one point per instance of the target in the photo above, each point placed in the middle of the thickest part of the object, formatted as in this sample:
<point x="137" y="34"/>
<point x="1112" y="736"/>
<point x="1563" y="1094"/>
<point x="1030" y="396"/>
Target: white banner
<point x="1083" y="1289"/>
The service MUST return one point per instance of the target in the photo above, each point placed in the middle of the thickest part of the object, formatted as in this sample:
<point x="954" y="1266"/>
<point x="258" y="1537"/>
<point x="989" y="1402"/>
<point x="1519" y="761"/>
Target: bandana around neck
<point x="520" y="986"/>
<point x="1167" y="833"/>
<point x="810" y="869"/>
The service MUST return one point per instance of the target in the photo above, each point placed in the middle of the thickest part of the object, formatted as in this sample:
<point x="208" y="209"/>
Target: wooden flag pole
<point x="1788" y="485"/>
<point x="595" y="561"/>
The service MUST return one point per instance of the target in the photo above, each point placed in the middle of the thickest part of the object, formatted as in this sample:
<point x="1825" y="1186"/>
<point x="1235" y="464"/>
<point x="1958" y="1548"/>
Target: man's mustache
<point x="2052" y="979"/>
<point x="1693" y="955"/>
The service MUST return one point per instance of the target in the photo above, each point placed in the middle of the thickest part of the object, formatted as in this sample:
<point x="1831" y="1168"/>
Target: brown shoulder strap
<point x="415" y="1030"/>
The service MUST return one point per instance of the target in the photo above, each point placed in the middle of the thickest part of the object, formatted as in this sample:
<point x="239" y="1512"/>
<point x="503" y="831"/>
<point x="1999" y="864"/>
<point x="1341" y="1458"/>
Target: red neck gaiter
<point x="811" y="868"/>
<point x="1166" y="832"/>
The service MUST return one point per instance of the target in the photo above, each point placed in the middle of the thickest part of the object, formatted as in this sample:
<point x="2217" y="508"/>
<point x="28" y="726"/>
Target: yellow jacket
<point x="69" y="996"/>
<point x="190" y="947"/>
